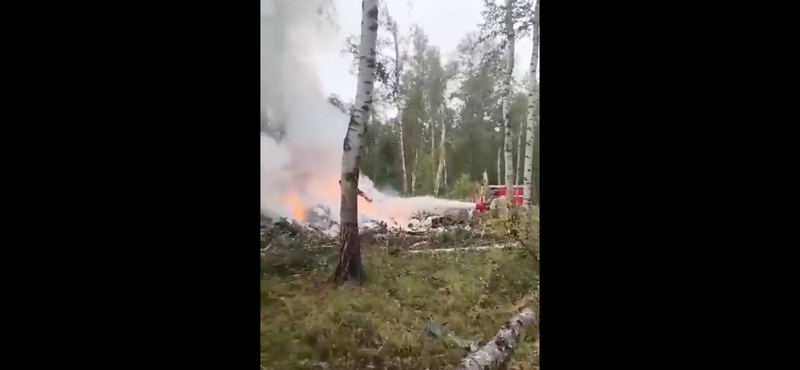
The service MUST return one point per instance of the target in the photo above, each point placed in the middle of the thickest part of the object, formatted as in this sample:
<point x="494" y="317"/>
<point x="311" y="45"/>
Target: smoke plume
<point x="301" y="168"/>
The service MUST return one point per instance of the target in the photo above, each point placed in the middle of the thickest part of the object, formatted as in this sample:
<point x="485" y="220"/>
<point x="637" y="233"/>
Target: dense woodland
<point x="436" y="125"/>
<point x="461" y="292"/>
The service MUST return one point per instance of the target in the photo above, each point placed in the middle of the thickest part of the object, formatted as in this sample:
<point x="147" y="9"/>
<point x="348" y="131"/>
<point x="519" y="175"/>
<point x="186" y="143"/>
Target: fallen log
<point x="500" y="349"/>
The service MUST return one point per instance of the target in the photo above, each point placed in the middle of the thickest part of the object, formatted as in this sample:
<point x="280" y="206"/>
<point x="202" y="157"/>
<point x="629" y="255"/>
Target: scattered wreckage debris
<point x="457" y="230"/>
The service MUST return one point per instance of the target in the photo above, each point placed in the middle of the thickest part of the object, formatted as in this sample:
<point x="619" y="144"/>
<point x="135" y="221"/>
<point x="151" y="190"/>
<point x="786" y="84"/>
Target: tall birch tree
<point x="519" y="154"/>
<point x="393" y="29"/>
<point x="507" y="141"/>
<point x="440" y="168"/>
<point x="350" y="267"/>
<point x="533" y="99"/>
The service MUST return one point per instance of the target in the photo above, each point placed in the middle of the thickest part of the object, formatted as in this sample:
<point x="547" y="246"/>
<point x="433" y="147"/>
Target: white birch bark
<point x="485" y="192"/>
<point x="499" y="168"/>
<point x="444" y="184"/>
<point x="433" y="137"/>
<point x="402" y="153"/>
<point x="509" y="155"/>
<point x="533" y="98"/>
<point x="350" y="261"/>
<point x="441" y="156"/>
<point x="519" y="154"/>
<point x="414" y="172"/>
<point x="500" y="349"/>
<point x="432" y="123"/>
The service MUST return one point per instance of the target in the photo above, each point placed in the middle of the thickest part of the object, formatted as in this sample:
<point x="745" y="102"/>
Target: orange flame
<point x="298" y="211"/>
<point x="331" y="192"/>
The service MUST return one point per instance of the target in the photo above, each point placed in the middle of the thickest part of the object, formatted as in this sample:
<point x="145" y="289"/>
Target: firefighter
<point x="498" y="207"/>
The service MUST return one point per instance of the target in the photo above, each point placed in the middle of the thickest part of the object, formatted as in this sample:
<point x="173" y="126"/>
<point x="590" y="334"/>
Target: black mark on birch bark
<point x="373" y="13"/>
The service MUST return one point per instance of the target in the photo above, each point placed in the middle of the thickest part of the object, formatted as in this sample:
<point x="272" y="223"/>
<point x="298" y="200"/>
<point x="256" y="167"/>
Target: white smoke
<point x="291" y="32"/>
<point x="307" y="161"/>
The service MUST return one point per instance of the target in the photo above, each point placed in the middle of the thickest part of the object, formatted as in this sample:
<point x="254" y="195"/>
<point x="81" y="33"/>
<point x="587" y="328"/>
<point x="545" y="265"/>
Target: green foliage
<point x="493" y="14"/>
<point x="425" y="174"/>
<point x="472" y="114"/>
<point x="530" y="231"/>
<point x="465" y="188"/>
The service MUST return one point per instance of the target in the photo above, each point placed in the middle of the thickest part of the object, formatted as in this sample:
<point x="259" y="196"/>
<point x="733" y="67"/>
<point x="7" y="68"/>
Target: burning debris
<point x="425" y="230"/>
<point x="289" y="246"/>
<point x="319" y="218"/>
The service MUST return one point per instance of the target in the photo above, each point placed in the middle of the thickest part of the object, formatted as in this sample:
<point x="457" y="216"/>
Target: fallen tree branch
<point x="328" y="245"/>
<point x="361" y="193"/>
<point x="500" y="349"/>
<point x="418" y="244"/>
<point x="465" y="249"/>
<point x="436" y="330"/>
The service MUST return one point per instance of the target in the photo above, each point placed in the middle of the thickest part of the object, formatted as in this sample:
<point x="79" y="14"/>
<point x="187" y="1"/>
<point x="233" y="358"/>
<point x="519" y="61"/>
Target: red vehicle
<point x="482" y="204"/>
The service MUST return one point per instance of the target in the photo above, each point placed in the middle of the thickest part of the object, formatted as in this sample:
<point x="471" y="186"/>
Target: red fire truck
<point x="482" y="203"/>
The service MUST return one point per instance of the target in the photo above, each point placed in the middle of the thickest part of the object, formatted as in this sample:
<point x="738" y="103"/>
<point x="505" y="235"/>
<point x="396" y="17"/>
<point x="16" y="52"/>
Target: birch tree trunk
<point x="500" y="349"/>
<point x="536" y="173"/>
<point x="433" y="136"/>
<point x="397" y="102"/>
<point x="509" y="154"/>
<point x="499" y="172"/>
<point x="402" y="152"/>
<point x="414" y="172"/>
<point x="486" y="191"/>
<point x="533" y="97"/>
<point x="519" y="154"/>
<point x="433" y="146"/>
<point x="441" y="158"/>
<point x="444" y="185"/>
<point x="350" y="266"/>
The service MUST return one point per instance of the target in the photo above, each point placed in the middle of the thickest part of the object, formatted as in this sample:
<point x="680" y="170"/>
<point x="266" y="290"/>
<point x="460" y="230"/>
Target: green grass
<point x="306" y="323"/>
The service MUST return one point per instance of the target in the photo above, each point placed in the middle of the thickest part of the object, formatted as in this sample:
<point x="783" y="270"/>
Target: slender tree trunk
<point x="350" y="267"/>
<point x="397" y="58"/>
<point x="402" y="153"/>
<point x="533" y="98"/>
<point x="536" y="172"/>
<point x="509" y="154"/>
<point x="441" y="158"/>
<point x="499" y="172"/>
<point x="444" y="160"/>
<point x="485" y="185"/>
<point x="433" y="147"/>
<point x="415" y="167"/>
<point x="519" y="153"/>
